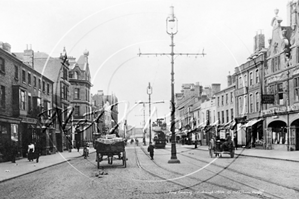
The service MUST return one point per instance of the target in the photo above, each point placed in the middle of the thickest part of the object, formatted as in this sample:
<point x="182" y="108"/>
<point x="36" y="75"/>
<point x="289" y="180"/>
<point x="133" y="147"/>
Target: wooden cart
<point x="221" y="145"/>
<point x="110" y="149"/>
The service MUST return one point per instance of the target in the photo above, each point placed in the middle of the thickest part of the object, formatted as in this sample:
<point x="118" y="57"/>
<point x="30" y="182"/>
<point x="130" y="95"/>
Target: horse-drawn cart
<point x="219" y="145"/>
<point x="110" y="148"/>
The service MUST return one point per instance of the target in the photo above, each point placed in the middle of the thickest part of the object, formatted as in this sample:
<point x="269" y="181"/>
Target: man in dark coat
<point x="151" y="151"/>
<point x="77" y="145"/>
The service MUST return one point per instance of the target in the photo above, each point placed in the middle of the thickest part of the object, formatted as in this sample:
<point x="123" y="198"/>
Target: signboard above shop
<point x="268" y="99"/>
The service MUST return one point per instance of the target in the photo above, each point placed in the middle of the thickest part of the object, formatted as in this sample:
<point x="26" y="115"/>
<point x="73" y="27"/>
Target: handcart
<point x="219" y="145"/>
<point x="110" y="148"/>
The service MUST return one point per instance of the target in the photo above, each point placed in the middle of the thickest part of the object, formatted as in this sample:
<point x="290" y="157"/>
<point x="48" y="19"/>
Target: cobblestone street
<point x="197" y="176"/>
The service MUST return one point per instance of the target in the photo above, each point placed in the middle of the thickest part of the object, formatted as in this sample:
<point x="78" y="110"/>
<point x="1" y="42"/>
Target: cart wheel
<point x="211" y="153"/>
<point x="98" y="160"/>
<point x="124" y="159"/>
<point x="232" y="154"/>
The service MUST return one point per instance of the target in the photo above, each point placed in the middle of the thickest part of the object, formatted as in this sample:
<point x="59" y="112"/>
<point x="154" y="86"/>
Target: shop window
<point x="14" y="132"/>
<point x="279" y="136"/>
<point x="2" y="98"/>
<point x="296" y="89"/>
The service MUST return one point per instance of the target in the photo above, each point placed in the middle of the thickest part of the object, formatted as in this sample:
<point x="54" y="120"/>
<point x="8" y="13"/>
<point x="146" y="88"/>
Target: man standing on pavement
<point x="151" y="151"/>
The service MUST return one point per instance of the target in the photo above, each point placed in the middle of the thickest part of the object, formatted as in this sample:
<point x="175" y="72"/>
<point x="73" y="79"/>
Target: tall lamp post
<point x="171" y="29"/>
<point x="149" y="92"/>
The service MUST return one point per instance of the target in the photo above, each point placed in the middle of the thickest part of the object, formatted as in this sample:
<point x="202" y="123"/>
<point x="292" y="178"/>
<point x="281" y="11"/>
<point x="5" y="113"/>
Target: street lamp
<point x="149" y="92"/>
<point x="172" y="29"/>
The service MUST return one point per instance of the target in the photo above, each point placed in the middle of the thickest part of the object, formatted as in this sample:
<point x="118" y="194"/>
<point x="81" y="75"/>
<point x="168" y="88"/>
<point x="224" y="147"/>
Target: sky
<point x="115" y="31"/>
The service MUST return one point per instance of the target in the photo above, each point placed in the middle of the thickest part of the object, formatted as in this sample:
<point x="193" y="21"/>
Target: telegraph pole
<point x="171" y="29"/>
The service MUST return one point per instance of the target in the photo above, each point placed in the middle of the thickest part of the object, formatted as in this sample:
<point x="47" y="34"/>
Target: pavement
<point x="22" y="166"/>
<point x="9" y="170"/>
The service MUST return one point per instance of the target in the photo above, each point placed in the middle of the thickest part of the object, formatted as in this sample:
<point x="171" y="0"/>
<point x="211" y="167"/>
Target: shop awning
<point x="215" y="123"/>
<point x="252" y="122"/>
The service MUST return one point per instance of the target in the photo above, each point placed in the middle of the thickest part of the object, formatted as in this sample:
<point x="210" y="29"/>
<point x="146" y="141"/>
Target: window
<point x="227" y="98"/>
<point x="280" y="93"/>
<point x="257" y="76"/>
<point x="232" y="115"/>
<point x="251" y="103"/>
<point x="240" y="82"/>
<point x="29" y="102"/>
<point x="64" y="91"/>
<point x="257" y="102"/>
<point x="87" y="95"/>
<point x="24" y="76"/>
<point x="219" y="116"/>
<point x="218" y="101"/>
<point x="222" y="117"/>
<point x="222" y="100"/>
<point x="34" y="81"/>
<point x="44" y="87"/>
<point x="227" y="116"/>
<point x="22" y="99"/>
<point x="76" y="111"/>
<point x="231" y="97"/>
<point x="2" y="98"/>
<point x="297" y="55"/>
<point x="245" y="104"/>
<point x="29" y="79"/>
<point x="48" y="89"/>
<point x="296" y="89"/>
<point x="40" y="85"/>
<point x="251" y="78"/>
<point x="76" y="93"/>
<point x="65" y="76"/>
<point x="16" y="72"/>
<point x="240" y="105"/>
<point x="245" y="80"/>
<point x="2" y="65"/>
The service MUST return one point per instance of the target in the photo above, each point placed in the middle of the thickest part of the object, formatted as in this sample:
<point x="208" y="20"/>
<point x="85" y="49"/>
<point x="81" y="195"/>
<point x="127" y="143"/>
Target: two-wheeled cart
<point x="110" y="148"/>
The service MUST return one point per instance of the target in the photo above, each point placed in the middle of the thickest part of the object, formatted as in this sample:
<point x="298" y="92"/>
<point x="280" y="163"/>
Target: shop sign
<point x="274" y="110"/>
<point x="268" y="99"/>
<point x="29" y="120"/>
<point x="294" y="107"/>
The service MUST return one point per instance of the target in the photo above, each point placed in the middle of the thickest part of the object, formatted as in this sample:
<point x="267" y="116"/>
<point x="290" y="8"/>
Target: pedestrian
<point x="235" y="141"/>
<point x="13" y="152"/>
<point x="151" y="151"/>
<point x="30" y="151"/>
<point x="77" y="145"/>
<point x="37" y="152"/>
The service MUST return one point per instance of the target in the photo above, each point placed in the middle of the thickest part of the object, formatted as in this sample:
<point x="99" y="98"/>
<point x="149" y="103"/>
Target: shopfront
<point x="9" y="137"/>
